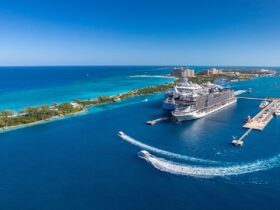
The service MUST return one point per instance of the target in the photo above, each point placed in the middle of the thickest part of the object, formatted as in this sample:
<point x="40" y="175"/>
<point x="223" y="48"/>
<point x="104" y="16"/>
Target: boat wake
<point x="212" y="171"/>
<point x="163" y="152"/>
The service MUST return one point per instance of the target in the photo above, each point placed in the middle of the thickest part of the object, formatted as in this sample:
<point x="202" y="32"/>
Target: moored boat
<point x="263" y="104"/>
<point x="201" y="100"/>
<point x="277" y="113"/>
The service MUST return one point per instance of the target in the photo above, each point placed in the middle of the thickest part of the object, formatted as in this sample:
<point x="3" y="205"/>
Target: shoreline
<point x="52" y="119"/>
<point x="102" y="100"/>
<point x="92" y="102"/>
<point x="55" y="118"/>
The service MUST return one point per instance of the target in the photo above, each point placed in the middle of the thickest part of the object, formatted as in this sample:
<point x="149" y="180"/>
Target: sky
<point x="140" y="32"/>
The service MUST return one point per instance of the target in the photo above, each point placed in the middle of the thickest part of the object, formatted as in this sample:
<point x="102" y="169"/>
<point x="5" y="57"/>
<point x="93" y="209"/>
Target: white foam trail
<point x="212" y="171"/>
<point x="163" y="152"/>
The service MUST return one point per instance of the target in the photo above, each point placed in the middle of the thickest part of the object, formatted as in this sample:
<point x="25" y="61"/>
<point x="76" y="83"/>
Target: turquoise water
<point x="31" y="86"/>
<point x="80" y="162"/>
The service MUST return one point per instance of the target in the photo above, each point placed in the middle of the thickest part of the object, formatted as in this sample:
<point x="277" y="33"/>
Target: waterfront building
<point x="183" y="72"/>
<point x="214" y="71"/>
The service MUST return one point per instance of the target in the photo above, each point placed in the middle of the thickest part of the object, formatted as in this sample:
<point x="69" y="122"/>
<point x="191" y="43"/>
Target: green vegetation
<point x="240" y="77"/>
<point x="35" y="114"/>
<point x="199" y="79"/>
<point x="29" y="115"/>
<point x="132" y="93"/>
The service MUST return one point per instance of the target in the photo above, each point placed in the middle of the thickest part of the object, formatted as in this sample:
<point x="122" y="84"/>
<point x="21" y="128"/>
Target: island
<point x="38" y="114"/>
<point x="33" y="115"/>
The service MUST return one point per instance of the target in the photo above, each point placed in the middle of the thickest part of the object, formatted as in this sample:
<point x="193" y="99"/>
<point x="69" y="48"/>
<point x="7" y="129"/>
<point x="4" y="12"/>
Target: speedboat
<point x="264" y="104"/>
<point x="143" y="154"/>
<point x="121" y="133"/>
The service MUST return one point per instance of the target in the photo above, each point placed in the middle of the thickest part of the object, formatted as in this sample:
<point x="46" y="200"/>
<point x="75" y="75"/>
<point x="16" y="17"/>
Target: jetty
<point x="263" y="117"/>
<point x="153" y="122"/>
<point x="258" y="99"/>
<point x="239" y="142"/>
<point x="238" y="92"/>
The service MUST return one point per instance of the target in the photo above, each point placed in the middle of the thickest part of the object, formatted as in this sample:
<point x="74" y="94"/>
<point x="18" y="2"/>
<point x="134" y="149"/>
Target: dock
<point x="239" y="142"/>
<point x="258" y="99"/>
<point x="153" y="122"/>
<point x="263" y="117"/>
<point x="238" y="92"/>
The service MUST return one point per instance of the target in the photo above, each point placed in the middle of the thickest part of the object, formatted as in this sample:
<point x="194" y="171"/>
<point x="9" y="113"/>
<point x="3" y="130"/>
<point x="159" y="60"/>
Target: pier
<point x="153" y="122"/>
<point x="258" y="99"/>
<point x="263" y="117"/>
<point x="239" y="142"/>
<point x="238" y="92"/>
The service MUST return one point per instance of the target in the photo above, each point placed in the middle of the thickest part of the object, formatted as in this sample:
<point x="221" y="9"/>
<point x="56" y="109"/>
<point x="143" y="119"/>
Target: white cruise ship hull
<point x="186" y="116"/>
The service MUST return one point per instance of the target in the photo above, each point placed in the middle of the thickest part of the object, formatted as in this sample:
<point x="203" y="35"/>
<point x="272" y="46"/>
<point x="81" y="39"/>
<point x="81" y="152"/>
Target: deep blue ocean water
<point x="80" y="162"/>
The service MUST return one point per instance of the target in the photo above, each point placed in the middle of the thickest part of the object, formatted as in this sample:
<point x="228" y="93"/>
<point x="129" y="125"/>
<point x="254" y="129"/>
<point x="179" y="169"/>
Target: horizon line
<point x="135" y="65"/>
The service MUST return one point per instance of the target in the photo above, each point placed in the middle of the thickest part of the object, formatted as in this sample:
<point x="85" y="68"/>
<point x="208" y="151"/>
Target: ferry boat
<point x="201" y="100"/>
<point x="263" y="104"/>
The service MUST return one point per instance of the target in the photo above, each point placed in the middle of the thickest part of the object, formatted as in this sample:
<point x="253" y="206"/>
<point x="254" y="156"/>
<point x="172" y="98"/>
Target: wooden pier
<point x="238" y="92"/>
<point x="153" y="122"/>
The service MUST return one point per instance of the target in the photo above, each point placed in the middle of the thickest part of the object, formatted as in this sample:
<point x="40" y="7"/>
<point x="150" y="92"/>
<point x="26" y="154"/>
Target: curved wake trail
<point x="163" y="152"/>
<point x="212" y="171"/>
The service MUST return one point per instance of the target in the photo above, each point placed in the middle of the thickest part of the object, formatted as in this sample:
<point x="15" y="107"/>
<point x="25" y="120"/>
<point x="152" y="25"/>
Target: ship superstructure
<point x="172" y="97"/>
<point x="193" y="101"/>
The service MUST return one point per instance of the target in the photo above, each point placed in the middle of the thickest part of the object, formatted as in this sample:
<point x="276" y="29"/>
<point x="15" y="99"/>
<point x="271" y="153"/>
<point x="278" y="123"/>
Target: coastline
<point x="92" y="103"/>
<point x="52" y="119"/>
<point x="102" y="100"/>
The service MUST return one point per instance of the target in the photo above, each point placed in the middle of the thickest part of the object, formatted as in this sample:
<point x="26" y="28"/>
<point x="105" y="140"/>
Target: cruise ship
<point x="195" y="101"/>
<point x="172" y="97"/>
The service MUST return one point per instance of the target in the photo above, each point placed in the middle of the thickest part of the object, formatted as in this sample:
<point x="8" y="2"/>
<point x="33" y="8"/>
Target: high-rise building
<point x="183" y="73"/>
<point x="214" y="71"/>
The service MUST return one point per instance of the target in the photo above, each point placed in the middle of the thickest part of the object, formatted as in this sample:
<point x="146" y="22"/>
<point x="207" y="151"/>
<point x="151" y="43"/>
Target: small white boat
<point x="143" y="154"/>
<point x="264" y="104"/>
<point x="121" y="133"/>
<point x="277" y="113"/>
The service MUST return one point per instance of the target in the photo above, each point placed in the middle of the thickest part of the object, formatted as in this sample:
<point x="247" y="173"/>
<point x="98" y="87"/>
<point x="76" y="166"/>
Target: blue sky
<point x="140" y="32"/>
